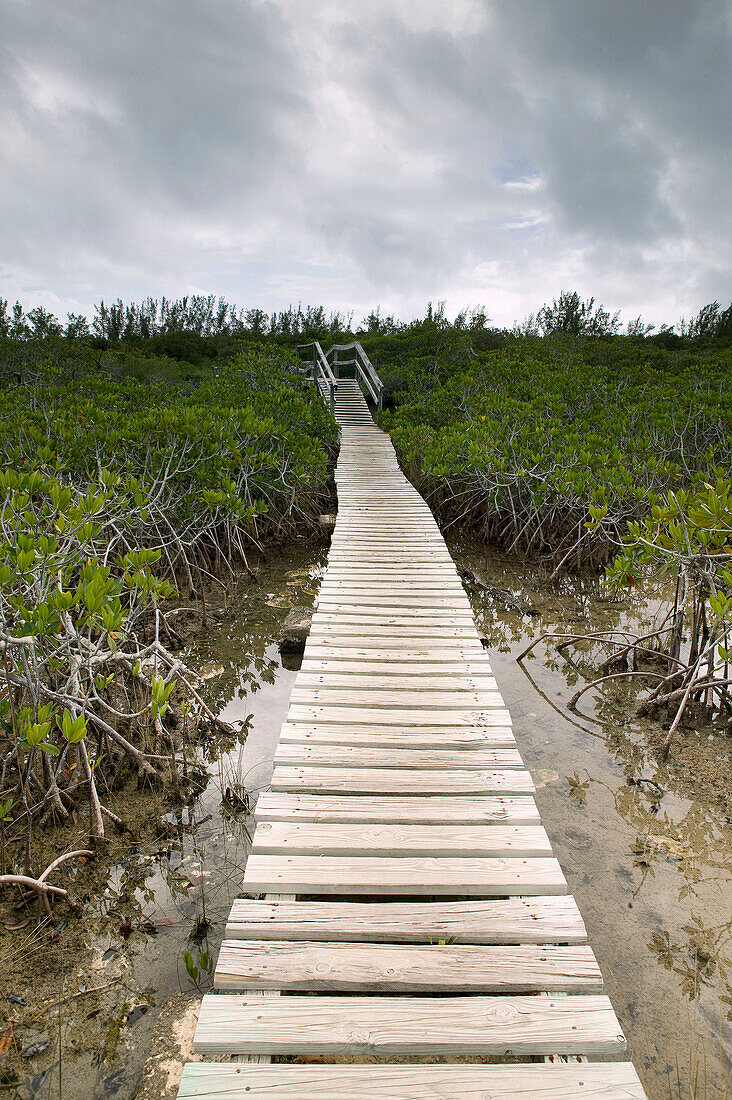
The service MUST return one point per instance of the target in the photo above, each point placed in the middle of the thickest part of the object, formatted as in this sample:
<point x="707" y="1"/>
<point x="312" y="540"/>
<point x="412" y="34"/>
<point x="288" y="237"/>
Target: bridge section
<point x="406" y="930"/>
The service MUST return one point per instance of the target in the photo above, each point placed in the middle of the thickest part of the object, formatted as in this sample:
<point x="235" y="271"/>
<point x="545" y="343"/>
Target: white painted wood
<point x="374" y="809"/>
<point x="405" y="968"/>
<point x="594" y="1081"/>
<point x="551" y="919"/>
<point x="302" y="838"/>
<point x="408" y="1025"/>
<point x="417" y="875"/>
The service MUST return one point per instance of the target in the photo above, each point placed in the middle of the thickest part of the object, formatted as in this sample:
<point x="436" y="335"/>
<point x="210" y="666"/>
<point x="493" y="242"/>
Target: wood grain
<point x="504" y="920"/>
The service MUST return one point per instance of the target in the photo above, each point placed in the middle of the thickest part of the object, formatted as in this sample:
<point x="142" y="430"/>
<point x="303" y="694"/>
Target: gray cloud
<point x="354" y="154"/>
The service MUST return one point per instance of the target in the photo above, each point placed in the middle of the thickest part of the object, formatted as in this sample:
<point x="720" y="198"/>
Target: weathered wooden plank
<point x="413" y="737"/>
<point x="357" y="756"/>
<point x="420" y="601"/>
<point x="418" y="875"/>
<point x="402" y="781"/>
<point x="395" y="578"/>
<point x="369" y="667"/>
<point x="303" y="838"/>
<point x="406" y="968"/>
<point x="397" y="699"/>
<point x="378" y="645"/>
<point x="416" y="601"/>
<point x="412" y="617"/>
<point x="428" y="810"/>
<point x="404" y="628"/>
<point x="408" y="1025"/>
<point x="551" y="919"/>
<point x="320" y="656"/>
<point x="391" y="680"/>
<point x="394" y="581"/>
<point x="401" y="555"/>
<point x="379" y="716"/>
<point x="592" y="1081"/>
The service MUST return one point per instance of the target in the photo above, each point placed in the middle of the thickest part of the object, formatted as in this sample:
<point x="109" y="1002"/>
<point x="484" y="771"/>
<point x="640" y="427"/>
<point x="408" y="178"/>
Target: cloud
<point x="354" y="154"/>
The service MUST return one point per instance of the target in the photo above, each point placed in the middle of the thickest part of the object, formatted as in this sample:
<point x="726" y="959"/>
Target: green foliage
<point x="688" y="530"/>
<point x="532" y="438"/>
<point x="570" y="316"/>
<point x="198" y="972"/>
<point x="688" y="534"/>
<point x="120" y="477"/>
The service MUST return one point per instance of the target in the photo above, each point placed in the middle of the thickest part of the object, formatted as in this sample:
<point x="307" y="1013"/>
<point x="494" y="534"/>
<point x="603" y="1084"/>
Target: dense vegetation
<point x="124" y="478"/>
<point x="146" y="452"/>
<point x="517" y="443"/>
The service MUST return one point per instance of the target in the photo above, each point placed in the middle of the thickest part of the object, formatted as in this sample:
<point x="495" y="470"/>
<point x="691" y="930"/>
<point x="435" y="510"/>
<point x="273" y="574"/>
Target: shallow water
<point x="648" y="855"/>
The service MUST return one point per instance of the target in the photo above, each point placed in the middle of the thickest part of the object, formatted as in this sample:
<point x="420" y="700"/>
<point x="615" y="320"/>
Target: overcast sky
<point x="360" y="152"/>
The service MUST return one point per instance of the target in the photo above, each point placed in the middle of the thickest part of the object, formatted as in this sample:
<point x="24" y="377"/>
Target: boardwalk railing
<point x="324" y="369"/>
<point x="318" y="370"/>
<point x="362" y="365"/>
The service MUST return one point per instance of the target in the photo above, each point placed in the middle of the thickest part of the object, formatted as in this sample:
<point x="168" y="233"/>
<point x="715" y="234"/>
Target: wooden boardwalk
<point x="412" y="908"/>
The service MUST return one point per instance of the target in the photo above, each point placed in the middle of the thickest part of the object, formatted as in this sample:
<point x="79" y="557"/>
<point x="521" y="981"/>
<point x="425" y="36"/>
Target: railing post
<point x="335" y="363"/>
<point x="315" y="366"/>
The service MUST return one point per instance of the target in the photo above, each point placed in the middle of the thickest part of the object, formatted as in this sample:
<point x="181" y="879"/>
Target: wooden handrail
<point x="364" y="367"/>
<point x="320" y="365"/>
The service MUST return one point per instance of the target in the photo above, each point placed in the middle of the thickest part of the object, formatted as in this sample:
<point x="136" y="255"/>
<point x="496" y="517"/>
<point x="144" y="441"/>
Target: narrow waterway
<point x="647" y="848"/>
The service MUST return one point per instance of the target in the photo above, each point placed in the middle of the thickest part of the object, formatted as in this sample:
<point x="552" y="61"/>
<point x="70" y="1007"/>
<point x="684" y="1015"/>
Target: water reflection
<point x="646" y="845"/>
<point x="154" y="926"/>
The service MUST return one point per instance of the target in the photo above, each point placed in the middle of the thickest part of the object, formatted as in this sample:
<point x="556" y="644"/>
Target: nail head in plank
<point x="293" y="838"/>
<point x="357" y="756"/>
<point x="434" y="810"/>
<point x="408" y="1025"/>
<point x="401" y="781"/>
<point x="406" y="968"/>
<point x="532" y="1081"/>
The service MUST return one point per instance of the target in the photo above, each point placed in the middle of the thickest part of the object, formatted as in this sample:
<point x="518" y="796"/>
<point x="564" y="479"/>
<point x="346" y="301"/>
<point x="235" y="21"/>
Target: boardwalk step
<point x="434" y="657"/>
<point x="402" y="781"/>
<point x="389" y="681"/>
<point x="395" y="699"/>
<point x="504" y="920"/>
<point x="434" y="810"/>
<point x="477" y="718"/>
<point x="406" y="968"/>
<point x="237" y="1024"/>
<point x="355" y="756"/>
<point x="397" y="737"/>
<point x="479" y="877"/>
<point x="292" y="838"/>
<point x="598" y="1081"/>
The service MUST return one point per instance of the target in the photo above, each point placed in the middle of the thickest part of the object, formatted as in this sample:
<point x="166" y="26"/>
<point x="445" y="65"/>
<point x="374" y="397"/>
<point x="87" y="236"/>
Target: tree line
<point x="209" y="316"/>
